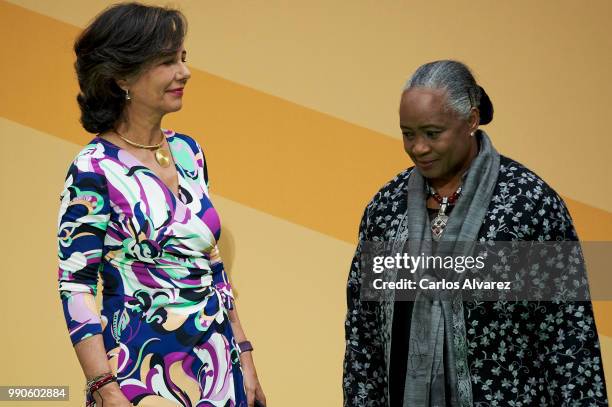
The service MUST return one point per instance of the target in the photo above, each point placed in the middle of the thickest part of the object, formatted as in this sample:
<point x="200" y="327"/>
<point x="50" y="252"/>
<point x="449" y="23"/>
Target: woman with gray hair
<point x="461" y="351"/>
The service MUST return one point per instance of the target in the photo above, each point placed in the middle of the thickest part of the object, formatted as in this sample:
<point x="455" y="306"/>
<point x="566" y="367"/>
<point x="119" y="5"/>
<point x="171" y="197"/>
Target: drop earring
<point x="127" y="95"/>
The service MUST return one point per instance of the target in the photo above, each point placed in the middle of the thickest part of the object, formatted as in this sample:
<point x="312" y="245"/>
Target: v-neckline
<point x="153" y="173"/>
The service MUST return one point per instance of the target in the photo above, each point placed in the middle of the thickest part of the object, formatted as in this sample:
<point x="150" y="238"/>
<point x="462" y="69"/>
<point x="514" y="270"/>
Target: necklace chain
<point x="438" y="224"/>
<point x="134" y="144"/>
<point x="439" y="199"/>
<point x="162" y="155"/>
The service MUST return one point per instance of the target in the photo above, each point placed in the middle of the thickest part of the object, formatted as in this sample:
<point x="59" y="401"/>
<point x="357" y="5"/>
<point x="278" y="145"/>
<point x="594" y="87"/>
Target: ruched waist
<point x="155" y="291"/>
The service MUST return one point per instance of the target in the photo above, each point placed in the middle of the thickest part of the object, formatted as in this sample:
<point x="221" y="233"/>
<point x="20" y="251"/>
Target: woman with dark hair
<point x="447" y="351"/>
<point x="136" y="209"/>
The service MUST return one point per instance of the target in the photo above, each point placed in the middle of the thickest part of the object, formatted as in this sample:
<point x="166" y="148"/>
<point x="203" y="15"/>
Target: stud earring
<point x="127" y="95"/>
<point x="472" y="134"/>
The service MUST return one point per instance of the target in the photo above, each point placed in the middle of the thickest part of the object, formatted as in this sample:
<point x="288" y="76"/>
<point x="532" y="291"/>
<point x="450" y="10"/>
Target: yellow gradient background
<point x="295" y="104"/>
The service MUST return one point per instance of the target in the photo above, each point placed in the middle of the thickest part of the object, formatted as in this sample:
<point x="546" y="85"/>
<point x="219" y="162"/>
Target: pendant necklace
<point x="440" y="221"/>
<point x="162" y="155"/>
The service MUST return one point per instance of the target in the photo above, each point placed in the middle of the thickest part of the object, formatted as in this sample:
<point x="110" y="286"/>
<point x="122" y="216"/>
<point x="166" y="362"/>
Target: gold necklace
<point x="162" y="155"/>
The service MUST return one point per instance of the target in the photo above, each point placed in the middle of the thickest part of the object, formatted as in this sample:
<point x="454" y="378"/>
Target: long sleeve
<point x="83" y="218"/>
<point x="570" y="351"/>
<point x="364" y="377"/>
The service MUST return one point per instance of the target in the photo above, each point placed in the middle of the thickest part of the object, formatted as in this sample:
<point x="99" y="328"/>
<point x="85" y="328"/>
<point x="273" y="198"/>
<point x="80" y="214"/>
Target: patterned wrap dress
<point x="166" y="295"/>
<point x="519" y="353"/>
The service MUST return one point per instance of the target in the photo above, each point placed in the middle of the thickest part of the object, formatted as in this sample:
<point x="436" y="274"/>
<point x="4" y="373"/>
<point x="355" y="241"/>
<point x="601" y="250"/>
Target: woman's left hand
<point x="251" y="382"/>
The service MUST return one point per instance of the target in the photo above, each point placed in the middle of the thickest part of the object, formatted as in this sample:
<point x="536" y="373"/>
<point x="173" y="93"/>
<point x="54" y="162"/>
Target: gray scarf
<point x="435" y="322"/>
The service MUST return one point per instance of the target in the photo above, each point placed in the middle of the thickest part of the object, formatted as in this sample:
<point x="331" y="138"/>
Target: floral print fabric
<point x="166" y="294"/>
<point x="521" y="353"/>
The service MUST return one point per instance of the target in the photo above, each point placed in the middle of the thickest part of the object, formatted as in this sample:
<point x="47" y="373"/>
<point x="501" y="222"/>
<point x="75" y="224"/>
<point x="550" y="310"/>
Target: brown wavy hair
<point x="120" y="43"/>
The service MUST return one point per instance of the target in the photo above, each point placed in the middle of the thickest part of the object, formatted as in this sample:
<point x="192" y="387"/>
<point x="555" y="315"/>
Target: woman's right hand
<point x="94" y="361"/>
<point x="111" y="396"/>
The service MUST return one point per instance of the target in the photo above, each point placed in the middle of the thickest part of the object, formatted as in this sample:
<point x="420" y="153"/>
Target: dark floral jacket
<point x="519" y="353"/>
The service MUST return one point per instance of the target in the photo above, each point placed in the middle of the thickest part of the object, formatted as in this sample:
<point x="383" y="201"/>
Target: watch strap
<point x="244" y="346"/>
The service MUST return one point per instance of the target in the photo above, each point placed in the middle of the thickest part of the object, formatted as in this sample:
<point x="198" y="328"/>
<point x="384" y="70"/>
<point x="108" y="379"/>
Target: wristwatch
<point x="244" y="346"/>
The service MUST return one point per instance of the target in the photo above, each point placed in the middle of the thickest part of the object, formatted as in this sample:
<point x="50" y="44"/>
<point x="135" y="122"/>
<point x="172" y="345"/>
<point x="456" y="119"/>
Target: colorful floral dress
<point x="166" y="294"/>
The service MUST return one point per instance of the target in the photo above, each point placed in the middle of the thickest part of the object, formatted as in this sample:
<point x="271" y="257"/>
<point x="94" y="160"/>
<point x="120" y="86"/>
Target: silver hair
<point x="463" y="93"/>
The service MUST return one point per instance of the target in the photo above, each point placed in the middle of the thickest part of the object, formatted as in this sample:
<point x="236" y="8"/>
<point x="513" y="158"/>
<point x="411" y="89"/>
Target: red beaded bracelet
<point x="97" y="383"/>
<point x="101" y="383"/>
